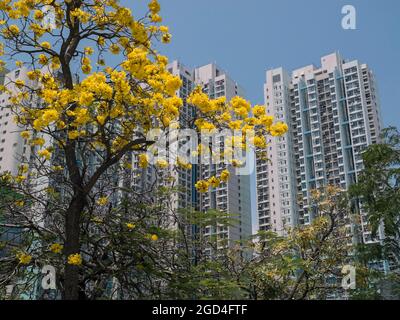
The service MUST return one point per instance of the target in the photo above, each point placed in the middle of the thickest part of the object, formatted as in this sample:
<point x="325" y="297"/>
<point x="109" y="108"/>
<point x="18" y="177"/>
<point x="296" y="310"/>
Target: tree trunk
<point x="72" y="246"/>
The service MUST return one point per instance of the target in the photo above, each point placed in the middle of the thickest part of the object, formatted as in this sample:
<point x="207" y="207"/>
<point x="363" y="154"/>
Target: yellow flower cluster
<point x="143" y="161"/>
<point x="240" y="106"/>
<point x="19" y="203"/>
<point x="56" y="248"/>
<point x="278" y="129"/>
<point x="74" y="259"/>
<point x="258" y="111"/>
<point x="154" y="6"/>
<point x="214" y="182"/>
<point x="130" y="226"/>
<point x="225" y="174"/>
<point x="200" y="100"/>
<point x="102" y="201"/>
<point x="25" y="134"/>
<point x="116" y="102"/>
<point x="24" y="258"/>
<point x="162" y="163"/>
<point x="45" y="153"/>
<point x="203" y="186"/>
<point x="259" y="142"/>
<point x="154" y="237"/>
<point x="182" y="163"/>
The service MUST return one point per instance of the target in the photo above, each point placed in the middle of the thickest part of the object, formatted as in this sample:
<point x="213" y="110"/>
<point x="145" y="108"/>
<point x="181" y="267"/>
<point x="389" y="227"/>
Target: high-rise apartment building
<point x="333" y="114"/>
<point x="232" y="197"/>
<point x="13" y="148"/>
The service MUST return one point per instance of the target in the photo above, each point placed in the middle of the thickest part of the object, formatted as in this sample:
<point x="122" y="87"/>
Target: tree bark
<point x="72" y="246"/>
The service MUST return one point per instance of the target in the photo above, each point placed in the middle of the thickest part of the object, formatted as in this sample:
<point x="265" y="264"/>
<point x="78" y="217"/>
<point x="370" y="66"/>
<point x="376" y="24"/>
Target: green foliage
<point x="378" y="185"/>
<point x="122" y="259"/>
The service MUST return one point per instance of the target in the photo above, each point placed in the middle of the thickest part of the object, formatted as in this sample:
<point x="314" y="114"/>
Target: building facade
<point x="232" y="197"/>
<point x="13" y="148"/>
<point x="333" y="113"/>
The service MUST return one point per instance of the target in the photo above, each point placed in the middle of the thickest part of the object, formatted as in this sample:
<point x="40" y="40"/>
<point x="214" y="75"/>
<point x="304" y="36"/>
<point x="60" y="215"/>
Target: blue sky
<point x="248" y="37"/>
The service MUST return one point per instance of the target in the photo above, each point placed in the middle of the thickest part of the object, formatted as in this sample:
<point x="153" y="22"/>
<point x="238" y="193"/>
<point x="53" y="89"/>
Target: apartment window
<point x="276" y="78"/>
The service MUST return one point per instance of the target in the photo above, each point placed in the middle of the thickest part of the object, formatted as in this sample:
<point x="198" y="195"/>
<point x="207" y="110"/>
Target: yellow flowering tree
<point x="95" y="88"/>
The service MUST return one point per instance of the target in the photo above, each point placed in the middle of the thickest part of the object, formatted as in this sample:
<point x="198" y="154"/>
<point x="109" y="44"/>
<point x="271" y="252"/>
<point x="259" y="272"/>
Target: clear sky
<point x="247" y="37"/>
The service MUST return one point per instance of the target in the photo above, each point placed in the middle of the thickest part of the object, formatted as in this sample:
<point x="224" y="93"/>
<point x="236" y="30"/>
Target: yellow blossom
<point x="86" y="68"/>
<point x="130" y="226"/>
<point x="38" y="142"/>
<point x="101" y="119"/>
<point x="156" y="18"/>
<point x="33" y="75"/>
<point x="259" y="142"/>
<point x="278" y="129"/>
<point x="46" y="45"/>
<point x="75" y="259"/>
<point x="115" y="49"/>
<point x="259" y="111"/>
<point x="38" y="14"/>
<point x="166" y="38"/>
<point x="102" y="201"/>
<point x="200" y="100"/>
<point x="172" y="85"/>
<point x="43" y="59"/>
<point x="72" y="135"/>
<point x="38" y="124"/>
<point x="14" y="29"/>
<point x="20" y="179"/>
<point x="24" y="258"/>
<point x="266" y="121"/>
<point x="240" y="106"/>
<point x="163" y="29"/>
<point x="56" y="248"/>
<point x="214" y="182"/>
<point x="202" y="186"/>
<point x="19" y="83"/>
<point x="89" y="50"/>
<point x="19" y="203"/>
<point x="50" y="116"/>
<point x="44" y="154"/>
<point x="162" y="163"/>
<point x="154" y="7"/>
<point x="236" y="163"/>
<point x="25" y="134"/>
<point x="225" y="174"/>
<point x="183" y="163"/>
<point x="143" y="161"/>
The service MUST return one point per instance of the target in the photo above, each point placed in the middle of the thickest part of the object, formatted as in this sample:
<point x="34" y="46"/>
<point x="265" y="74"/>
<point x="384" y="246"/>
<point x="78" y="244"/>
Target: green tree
<point x="378" y="190"/>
